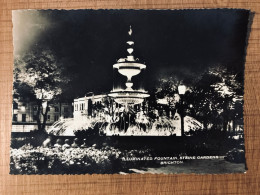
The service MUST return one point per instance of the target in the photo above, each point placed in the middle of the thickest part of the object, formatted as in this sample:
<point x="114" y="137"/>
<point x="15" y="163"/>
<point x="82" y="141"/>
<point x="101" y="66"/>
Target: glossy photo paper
<point x="128" y="91"/>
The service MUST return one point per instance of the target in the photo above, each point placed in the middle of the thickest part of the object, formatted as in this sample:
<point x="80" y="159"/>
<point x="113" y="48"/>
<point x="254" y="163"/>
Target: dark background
<point x="181" y="43"/>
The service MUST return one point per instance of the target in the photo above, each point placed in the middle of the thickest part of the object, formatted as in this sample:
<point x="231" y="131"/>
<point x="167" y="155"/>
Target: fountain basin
<point x="129" y="69"/>
<point x="130" y="97"/>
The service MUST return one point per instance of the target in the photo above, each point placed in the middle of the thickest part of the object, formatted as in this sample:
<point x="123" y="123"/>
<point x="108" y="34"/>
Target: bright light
<point x="39" y="96"/>
<point x="23" y="108"/>
<point x="181" y="89"/>
<point x="44" y="104"/>
<point x="130" y="50"/>
<point x="42" y="94"/>
<point x="130" y="42"/>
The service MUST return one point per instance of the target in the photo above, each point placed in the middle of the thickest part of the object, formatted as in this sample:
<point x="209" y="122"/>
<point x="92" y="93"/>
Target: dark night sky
<point x="181" y="42"/>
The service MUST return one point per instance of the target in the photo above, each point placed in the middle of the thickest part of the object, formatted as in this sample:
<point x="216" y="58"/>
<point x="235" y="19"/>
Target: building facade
<point x="84" y="106"/>
<point x="24" y="115"/>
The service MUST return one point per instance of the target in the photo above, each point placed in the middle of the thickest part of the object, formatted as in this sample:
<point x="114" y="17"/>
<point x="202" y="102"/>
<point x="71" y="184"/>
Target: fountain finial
<point x="130" y="31"/>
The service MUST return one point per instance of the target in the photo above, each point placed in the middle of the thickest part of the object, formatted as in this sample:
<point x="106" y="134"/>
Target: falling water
<point x="143" y="126"/>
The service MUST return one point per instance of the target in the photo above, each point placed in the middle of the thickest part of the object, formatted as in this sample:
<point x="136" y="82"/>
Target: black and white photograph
<point x="128" y="91"/>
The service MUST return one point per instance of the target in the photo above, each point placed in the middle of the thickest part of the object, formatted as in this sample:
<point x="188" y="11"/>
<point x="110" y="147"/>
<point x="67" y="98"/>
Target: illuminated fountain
<point x="127" y="97"/>
<point x="129" y="67"/>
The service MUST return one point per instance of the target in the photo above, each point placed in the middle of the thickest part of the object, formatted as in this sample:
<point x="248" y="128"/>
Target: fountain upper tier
<point x="129" y="69"/>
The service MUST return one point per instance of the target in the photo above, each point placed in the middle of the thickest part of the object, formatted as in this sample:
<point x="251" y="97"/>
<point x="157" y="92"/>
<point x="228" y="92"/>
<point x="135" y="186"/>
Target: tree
<point x="204" y="100"/>
<point x="110" y="107"/>
<point x="230" y="89"/>
<point x="216" y="98"/>
<point x="38" y="76"/>
<point x="168" y="89"/>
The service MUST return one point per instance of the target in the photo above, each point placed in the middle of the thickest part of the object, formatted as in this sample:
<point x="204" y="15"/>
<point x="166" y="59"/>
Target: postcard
<point x="128" y="91"/>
